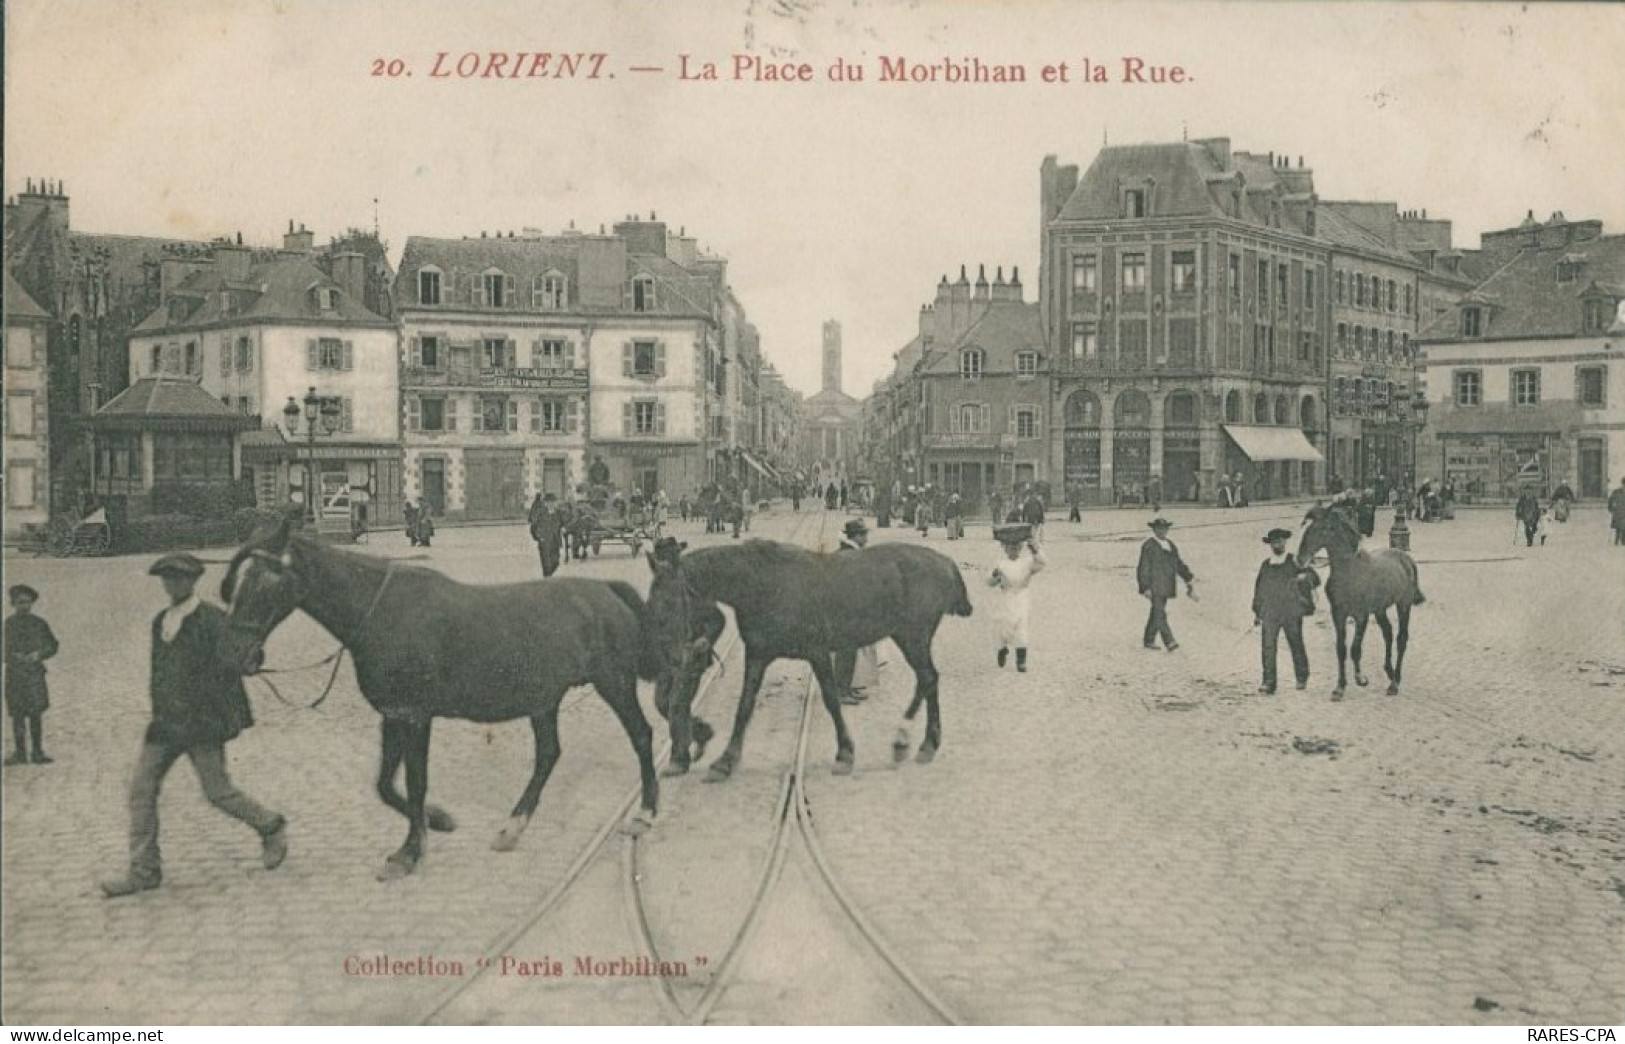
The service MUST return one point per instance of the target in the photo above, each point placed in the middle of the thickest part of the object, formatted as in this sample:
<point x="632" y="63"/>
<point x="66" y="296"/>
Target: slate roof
<point x="1180" y="171"/>
<point x="170" y="399"/>
<point x="1340" y="225"/>
<point x="678" y="291"/>
<point x="1005" y="328"/>
<point x="277" y="290"/>
<point x="19" y="305"/>
<point x="1524" y="299"/>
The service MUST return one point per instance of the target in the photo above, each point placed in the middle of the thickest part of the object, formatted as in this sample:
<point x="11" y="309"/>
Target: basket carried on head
<point x="1013" y="533"/>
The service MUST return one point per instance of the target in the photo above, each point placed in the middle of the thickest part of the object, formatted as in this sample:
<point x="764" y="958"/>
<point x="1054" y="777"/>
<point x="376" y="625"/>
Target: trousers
<point x="1293" y="629"/>
<point x="210" y="764"/>
<point x="1157" y="623"/>
<point x="550" y="558"/>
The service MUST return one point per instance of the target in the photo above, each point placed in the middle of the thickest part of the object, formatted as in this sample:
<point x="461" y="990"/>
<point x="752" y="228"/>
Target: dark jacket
<point x="1033" y="511"/>
<point x="547" y="528"/>
<point x="1527" y="509"/>
<point x="1159" y="569"/>
<point x="197" y="693"/>
<point x="1616" y="507"/>
<point x="1284" y="592"/>
<point x="26" y="693"/>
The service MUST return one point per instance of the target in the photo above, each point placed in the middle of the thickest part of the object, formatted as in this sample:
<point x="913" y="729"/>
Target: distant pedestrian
<point x="29" y="643"/>
<point x="1074" y="504"/>
<point x="198" y="705"/>
<point x="1021" y="561"/>
<point x="857" y="669"/>
<point x="1562" y="501"/>
<point x="1282" y="597"/>
<point x="996" y="504"/>
<point x="1159" y="570"/>
<point x="953" y="516"/>
<point x="684" y="508"/>
<point x="410" y="513"/>
<point x="547" y="529"/>
<point x="1239" y="488"/>
<point x="1616" y="513"/>
<point x="844" y="494"/>
<point x="1032" y="513"/>
<point x="1527" y="511"/>
<point x="1153" y="493"/>
<point x="922" y="514"/>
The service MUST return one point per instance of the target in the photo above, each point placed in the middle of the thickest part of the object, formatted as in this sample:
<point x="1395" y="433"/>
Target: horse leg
<point x="723" y="767"/>
<point x="1403" y="612"/>
<point x="1387" y="630"/>
<point x="621" y="693"/>
<point x="916" y="650"/>
<point x="1340" y="623"/>
<point x="415" y="748"/>
<point x="545" y="726"/>
<point x="1359" y="639"/>
<point x="901" y="743"/>
<point x="828" y="689"/>
<point x="394" y="750"/>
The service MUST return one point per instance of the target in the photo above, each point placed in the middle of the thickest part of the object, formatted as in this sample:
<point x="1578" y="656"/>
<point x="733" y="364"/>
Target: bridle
<point x="281" y="565"/>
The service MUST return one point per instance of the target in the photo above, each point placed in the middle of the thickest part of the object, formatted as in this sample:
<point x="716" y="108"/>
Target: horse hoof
<point x="718" y="774"/>
<point x="1361" y="680"/>
<point x="1337" y="694"/>
<point x="397" y="867"/>
<point x="1393" y="690"/>
<point x="899" y="751"/>
<point x="842" y="767"/>
<point x="439" y="820"/>
<point x="638" y="825"/>
<point x="925" y="754"/>
<point x="505" y="841"/>
<point x="674" y="768"/>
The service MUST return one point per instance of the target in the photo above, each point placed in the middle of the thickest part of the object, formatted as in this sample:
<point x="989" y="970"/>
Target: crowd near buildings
<point x="148" y="375"/>
<point x="1205" y="321"/>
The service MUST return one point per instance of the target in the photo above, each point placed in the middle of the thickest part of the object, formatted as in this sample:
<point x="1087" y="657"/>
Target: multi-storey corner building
<point x="538" y="364"/>
<point x="27" y="418"/>
<point x="1523" y="375"/>
<point x="1183" y="290"/>
<point x="258" y="330"/>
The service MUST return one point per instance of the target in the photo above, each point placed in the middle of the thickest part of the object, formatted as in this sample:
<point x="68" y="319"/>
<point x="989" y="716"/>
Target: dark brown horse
<point x="792" y="603"/>
<point x="427" y="647"/>
<point x="1362" y="584"/>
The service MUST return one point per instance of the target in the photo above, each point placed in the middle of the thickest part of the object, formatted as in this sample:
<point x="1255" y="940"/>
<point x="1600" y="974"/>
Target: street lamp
<point x="322" y="409"/>
<point x="1412" y="415"/>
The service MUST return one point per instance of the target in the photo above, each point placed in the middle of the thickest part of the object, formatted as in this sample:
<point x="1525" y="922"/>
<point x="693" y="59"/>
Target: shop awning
<point x="1264" y="443"/>
<point x="757" y="465"/>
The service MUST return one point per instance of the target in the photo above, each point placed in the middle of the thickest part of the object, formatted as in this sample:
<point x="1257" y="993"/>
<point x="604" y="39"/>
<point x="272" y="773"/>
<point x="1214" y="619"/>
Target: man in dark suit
<point x="198" y="705"/>
<point x="1283" y="595"/>
<point x="547" y="529"/>
<point x="1159" y="569"/>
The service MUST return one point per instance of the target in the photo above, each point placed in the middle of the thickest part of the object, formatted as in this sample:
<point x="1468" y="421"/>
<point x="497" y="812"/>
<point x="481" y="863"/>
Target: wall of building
<point x="27" y="427"/>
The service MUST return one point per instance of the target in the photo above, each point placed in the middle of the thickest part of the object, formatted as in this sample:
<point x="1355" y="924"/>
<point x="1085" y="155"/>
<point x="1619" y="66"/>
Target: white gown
<point x="1014" y="577"/>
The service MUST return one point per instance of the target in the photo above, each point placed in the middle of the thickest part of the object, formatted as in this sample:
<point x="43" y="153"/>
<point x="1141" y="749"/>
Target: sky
<point x="831" y="200"/>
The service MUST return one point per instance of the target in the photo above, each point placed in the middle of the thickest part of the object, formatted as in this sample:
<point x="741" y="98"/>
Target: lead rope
<point x="336" y="658"/>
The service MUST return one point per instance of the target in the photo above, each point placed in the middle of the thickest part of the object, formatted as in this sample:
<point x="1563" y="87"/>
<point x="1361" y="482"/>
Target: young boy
<point x="29" y="643"/>
<point x="1013" y="575"/>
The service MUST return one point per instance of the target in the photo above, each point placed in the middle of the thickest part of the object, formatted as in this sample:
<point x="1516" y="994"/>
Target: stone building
<point x="1523" y="376"/>
<point x="27" y="418"/>
<point x="1183" y="294"/>
<point x="831" y="421"/>
<point x="259" y="330"/>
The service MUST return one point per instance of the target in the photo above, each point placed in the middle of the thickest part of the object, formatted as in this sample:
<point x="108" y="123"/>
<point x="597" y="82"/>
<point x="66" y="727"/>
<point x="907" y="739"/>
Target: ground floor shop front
<point x="1501" y="465"/>
<point x="677" y="468"/>
<point x="489" y="483"/>
<point x="353" y="485"/>
<point x="1188" y="464"/>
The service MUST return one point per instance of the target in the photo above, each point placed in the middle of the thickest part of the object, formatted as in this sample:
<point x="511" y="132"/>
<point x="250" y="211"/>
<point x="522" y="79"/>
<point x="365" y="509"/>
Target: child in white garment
<point x="1013" y="576"/>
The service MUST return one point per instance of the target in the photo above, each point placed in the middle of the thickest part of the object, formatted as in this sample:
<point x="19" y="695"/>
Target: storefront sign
<point x="543" y="380"/>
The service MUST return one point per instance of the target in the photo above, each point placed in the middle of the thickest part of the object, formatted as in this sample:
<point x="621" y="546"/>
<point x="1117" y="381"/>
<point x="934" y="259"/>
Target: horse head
<point x="674" y="610"/>
<point x="1328" y="528"/>
<point x="262" y="587"/>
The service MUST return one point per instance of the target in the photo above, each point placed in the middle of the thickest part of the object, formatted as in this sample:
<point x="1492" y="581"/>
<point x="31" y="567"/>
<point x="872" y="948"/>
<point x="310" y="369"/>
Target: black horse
<point x="790" y="602"/>
<point x="427" y="647"/>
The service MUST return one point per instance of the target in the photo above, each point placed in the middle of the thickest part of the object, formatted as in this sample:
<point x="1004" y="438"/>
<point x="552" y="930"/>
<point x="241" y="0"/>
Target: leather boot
<point x="1021" y="659"/>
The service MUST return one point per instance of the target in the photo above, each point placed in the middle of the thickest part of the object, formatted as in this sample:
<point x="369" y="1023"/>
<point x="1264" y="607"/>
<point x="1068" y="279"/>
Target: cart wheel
<point x="97" y="543"/>
<point x="60" y="543"/>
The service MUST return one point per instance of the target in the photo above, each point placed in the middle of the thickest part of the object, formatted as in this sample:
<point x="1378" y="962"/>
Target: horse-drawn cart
<point x="636" y="530"/>
<point x="71" y="535"/>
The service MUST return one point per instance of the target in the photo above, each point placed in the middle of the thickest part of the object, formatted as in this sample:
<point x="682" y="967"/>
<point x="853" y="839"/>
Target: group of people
<point x="419" y="523"/>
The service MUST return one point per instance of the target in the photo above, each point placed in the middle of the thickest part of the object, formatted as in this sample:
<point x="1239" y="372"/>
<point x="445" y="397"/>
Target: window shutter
<point x="312" y="351"/>
<point x="414" y="414"/>
<point x="626" y="418"/>
<point x="626" y="359"/>
<point x="953" y="420"/>
<point x="660" y="359"/>
<point x="569" y="355"/>
<point x="248" y="358"/>
<point x="349" y="355"/>
<point x="415" y="356"/>
<point x="535" y="407"/>
<point x="513" y="414"/>
<point x="536" y="293"/>
<point x="536" y="354"/>
<point x="508" y="295"/>
<point x="476" y="290"/>
<point x="572" y="415"/>
<point x="225" y="355"/>
<point x="346" y="414"/>
<point x="660" y="418"/>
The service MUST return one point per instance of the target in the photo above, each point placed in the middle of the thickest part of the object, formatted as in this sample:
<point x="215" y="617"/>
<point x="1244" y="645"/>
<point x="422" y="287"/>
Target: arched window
<point x="1083" y="410"/>
<point x="1261" y="409"/>
<point x="1131" y="410"/>
<point x="970" y="363"/>
<point x="1179" y="410"/>
<point x="1232" y="408"/>
<point x="1283" y="410"/>
<point x="1307" y="414"/>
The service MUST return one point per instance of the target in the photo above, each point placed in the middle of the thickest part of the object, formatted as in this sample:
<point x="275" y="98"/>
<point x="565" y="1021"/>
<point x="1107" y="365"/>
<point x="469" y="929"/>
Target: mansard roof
<point x="279" y="288"/>
<point x="1002" y="330"/>
<point x="1524" y="298"/>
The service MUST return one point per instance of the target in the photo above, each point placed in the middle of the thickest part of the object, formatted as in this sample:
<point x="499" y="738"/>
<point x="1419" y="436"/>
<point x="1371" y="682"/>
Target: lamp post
<point x="322" y="409"/>
<point x="1411" y="415"/>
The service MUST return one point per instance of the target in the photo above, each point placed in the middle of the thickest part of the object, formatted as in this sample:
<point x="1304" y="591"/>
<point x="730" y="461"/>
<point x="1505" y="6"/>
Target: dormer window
<point x="1136" y="203"/>
<point x="1026" y="365"/>
<point x="643" y="294"/>
<point x="550" y="293"/>
<point x="497" y="289"/>
<point x="970" y="364"/>
<point x="1568" y="269"/>
<point x="429" y="286"/>
<point x="1472" y="322"/>
<point x="327" y="298"/>
<point x="1599" y="313"/>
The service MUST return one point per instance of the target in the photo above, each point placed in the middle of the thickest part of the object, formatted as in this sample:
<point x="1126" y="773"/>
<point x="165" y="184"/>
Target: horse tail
<point x="1417" y="597"/>
<point x="649" y="663"/>
<point x="961" y="606"/>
